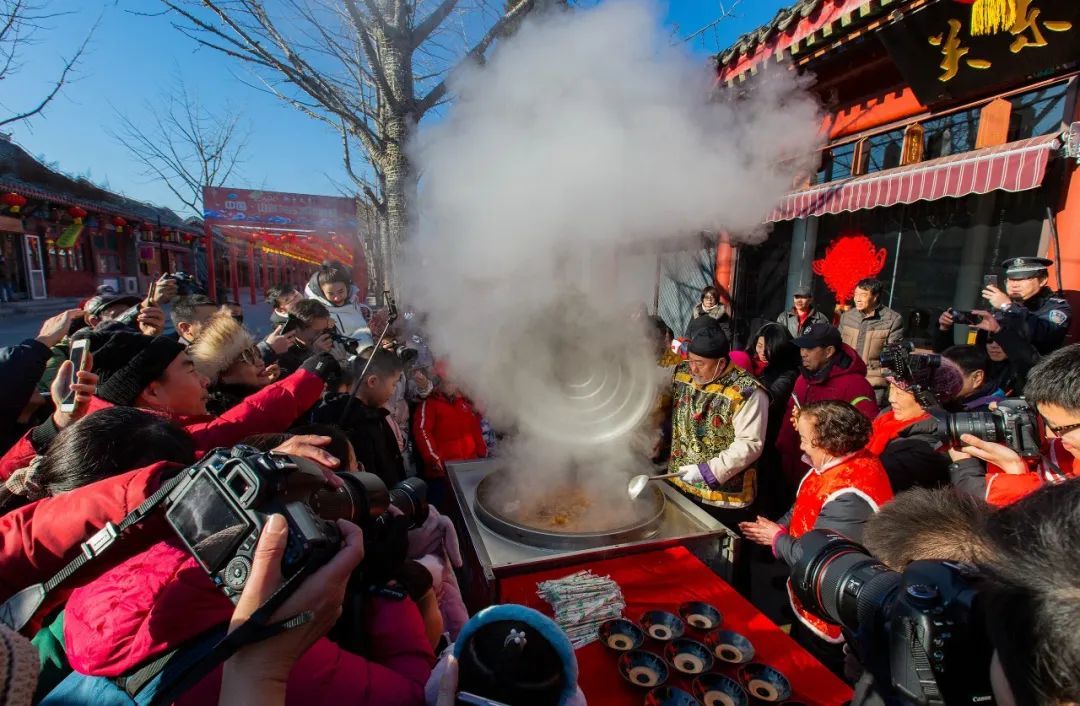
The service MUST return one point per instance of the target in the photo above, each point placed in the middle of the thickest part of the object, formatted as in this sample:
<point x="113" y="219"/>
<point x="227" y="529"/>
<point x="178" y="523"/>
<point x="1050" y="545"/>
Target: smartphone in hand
<point x="78" y="357"/>
<point x="990" y="281"/>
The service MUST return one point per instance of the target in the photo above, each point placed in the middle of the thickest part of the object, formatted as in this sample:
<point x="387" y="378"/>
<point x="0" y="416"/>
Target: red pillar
<point x="724" y="267"/>
<point x="234" y="279"/>
<point x="208" y="241"/>
<point x="251" y="269"/>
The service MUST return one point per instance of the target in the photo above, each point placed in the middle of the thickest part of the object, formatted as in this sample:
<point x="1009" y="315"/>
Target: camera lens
<point x="362" y="497"/>
<point x="982" y="425"/>
<point x="410" y="497"/>
<point x="836" y="579"/>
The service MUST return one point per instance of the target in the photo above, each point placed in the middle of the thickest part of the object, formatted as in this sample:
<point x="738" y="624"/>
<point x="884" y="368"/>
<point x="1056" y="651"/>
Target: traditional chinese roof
<point x="24" y="174"/>
<point x="806" y="27"/>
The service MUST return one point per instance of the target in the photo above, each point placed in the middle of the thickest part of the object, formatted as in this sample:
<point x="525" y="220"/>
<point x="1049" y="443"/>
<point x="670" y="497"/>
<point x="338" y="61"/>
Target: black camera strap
<point x="17" y="611"/>
<point x="255" y="629"/>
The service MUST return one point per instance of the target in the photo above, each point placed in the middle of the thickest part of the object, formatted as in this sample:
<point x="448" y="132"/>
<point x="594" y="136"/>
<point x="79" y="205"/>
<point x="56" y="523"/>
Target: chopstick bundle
<point x="581" y="602"/>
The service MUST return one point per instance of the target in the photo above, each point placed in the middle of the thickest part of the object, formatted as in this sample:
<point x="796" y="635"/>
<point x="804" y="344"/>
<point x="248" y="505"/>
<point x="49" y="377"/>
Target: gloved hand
<point x="691" y="474"/>
<point x="322" y="364"/>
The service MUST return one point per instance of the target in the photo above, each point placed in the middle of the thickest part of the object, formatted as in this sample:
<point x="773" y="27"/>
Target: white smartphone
<point x="79" y="349"/>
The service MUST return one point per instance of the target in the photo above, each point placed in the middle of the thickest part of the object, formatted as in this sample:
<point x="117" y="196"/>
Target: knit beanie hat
<point x="710" y="342"/>
<point x="945" y="381"/>
<point x="127" y="362"/>
<point x="18" y="668"/>
<point x="222" y="340"/>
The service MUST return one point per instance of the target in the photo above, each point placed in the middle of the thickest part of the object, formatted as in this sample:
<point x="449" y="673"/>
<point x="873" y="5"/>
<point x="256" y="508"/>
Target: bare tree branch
<point x="20" y="19"/>
<point x="186" y="147"/>
<point x="436" y="94"/>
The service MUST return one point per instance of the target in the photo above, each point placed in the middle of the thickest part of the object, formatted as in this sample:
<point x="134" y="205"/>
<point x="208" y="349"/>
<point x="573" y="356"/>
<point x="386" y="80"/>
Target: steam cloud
<point x="584" y="134"/>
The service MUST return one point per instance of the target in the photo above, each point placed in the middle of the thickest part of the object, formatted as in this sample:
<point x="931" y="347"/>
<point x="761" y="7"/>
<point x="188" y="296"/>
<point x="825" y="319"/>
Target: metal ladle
<point x="638" y="483"/>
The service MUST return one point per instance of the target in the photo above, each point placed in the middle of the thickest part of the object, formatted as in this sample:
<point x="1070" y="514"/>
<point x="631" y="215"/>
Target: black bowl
<point x="688" y="656"/>
<point x="662" y="625"/>
<point x="718" y="690"/>
<point x="621" y="635"/>
<point x="700" y="616"/>
<point x="643" y="669"/>
<point x="764" y="683"/>
<point x="730" y="646"/>
<point x="670" y="696"/>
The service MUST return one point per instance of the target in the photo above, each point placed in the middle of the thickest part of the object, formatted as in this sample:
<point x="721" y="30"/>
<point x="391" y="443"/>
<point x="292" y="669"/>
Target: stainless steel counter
<point x="494" y="556"/>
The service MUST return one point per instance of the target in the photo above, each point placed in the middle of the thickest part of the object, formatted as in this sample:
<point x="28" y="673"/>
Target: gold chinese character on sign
<point x="1027" y="20"/>
<point x="952" y="51"/>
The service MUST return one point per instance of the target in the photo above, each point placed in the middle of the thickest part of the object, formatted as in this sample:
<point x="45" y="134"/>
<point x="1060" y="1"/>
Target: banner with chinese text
<point x="278" y="210"/>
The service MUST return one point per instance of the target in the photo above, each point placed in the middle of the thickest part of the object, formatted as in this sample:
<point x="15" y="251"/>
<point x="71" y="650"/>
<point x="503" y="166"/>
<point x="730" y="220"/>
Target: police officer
<point x="1028" y="310"/>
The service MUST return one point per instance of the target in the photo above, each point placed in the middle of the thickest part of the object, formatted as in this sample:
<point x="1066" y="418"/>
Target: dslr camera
<point x="966" y="318"/>
<point x="350" y="344"/>
<point x="1013" y="423"/>
<point x="186" y="284"/>
<point x="921" y="634"/>
<point x="219" y="508"/>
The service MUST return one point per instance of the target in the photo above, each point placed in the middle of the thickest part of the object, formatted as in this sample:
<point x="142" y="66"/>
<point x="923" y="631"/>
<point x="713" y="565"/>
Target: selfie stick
<point x="391" y="317"/>
<point x="1057" y="248"/>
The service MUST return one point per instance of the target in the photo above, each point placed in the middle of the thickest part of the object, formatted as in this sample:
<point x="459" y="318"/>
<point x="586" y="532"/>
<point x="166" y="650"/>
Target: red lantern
<point x="119" y="222"/>
<point x="189" y="238"/>
<point x="13" y="201"/>
<point x="78" y="214"/>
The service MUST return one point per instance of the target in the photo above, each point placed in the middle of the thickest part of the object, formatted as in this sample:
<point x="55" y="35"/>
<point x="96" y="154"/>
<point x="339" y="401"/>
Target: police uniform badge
<point x="1057" y="316"/>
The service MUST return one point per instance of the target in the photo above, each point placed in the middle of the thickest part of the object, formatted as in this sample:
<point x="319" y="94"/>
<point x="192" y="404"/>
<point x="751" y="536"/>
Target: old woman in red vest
<point x="845" y="485"/>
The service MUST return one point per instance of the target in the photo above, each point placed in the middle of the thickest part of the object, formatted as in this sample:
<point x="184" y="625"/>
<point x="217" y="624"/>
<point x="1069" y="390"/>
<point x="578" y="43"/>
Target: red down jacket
<point x="160" y="598"/>
<point x="38" y="540"/>
<point x="447" y="429"/>
<point x="270" y="410"/>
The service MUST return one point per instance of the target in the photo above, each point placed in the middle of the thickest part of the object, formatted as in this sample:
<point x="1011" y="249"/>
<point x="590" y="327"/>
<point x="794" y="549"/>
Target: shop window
<point x="951" y="134"/>
<point x="836" y="164"/>
<point x="884" y="151"/>
<point x="1037" y="112"/>
<point x="945" y="247"/>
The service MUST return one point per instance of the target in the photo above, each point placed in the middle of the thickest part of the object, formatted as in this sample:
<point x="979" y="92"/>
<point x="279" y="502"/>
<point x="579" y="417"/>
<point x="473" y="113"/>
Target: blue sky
<point x="132" y="57"/>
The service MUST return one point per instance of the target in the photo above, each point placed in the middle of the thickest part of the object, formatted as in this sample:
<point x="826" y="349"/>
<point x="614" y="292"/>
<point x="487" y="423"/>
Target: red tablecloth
<point x="664" y="580"/>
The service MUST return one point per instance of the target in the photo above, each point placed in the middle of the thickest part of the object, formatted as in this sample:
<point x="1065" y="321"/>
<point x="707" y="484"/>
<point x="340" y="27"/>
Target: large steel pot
<point x="645" y="527"/>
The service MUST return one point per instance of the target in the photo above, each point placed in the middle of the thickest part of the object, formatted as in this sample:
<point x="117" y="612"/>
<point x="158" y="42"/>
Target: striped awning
<point x="1017" y="166"/>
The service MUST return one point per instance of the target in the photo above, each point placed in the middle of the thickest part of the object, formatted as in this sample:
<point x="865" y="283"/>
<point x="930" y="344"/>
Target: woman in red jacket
<point x="845" y="486"/>
<point x="906" y="435"/>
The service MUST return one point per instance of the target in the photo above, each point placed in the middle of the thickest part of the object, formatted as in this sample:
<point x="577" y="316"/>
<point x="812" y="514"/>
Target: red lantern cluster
<point x="13" y="201"/>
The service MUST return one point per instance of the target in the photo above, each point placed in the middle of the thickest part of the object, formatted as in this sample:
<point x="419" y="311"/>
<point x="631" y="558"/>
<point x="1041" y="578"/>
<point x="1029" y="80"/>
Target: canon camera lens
<point x="839" y="581"/>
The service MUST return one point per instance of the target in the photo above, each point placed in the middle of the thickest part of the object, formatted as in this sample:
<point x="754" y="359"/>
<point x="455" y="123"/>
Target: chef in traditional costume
<point x="719" y="417"/>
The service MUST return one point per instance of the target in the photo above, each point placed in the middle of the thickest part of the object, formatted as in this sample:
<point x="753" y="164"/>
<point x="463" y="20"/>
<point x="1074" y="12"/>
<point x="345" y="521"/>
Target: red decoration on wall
<point x="119" y="222"/>
<point x="78" y="214"/>
<point x="13" y="201"/>
<point x="848" y="259"/>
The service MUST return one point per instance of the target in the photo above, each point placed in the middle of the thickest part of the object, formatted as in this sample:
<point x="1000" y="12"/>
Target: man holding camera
<point x="1053" y="388"/>
<point x="1027" y="320"/>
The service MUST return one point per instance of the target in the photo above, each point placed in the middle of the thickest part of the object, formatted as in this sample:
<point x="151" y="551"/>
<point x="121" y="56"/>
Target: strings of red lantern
<point x="13" y="201"/>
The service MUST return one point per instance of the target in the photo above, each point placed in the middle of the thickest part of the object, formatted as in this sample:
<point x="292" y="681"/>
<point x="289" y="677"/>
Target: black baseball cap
<point x="100" y="303"/>
<point x="819" y="335"/>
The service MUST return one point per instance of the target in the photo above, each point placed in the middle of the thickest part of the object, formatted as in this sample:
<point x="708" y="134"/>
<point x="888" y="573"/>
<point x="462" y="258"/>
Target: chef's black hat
<point x="710" y="342"/>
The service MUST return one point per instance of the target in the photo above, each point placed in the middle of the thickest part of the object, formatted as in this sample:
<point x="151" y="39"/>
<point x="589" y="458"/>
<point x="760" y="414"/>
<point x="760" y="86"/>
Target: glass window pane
<point x="1037" y="113"/>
